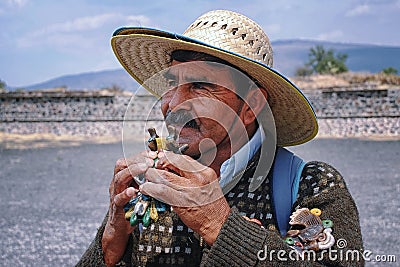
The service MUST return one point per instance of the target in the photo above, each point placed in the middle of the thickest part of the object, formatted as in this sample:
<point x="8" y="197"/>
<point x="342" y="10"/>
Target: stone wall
<point x="356" y="112"/>
<point x="349" y="112"/>
<point x="355" y="103"/>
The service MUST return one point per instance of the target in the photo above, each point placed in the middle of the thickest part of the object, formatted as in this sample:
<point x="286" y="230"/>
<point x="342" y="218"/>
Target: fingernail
<point x="152" y="154"/>
<point x="130" y="192"/>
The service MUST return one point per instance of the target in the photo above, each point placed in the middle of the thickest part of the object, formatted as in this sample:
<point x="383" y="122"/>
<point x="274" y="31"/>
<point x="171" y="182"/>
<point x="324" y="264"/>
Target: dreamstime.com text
<point x="339" y="254"/>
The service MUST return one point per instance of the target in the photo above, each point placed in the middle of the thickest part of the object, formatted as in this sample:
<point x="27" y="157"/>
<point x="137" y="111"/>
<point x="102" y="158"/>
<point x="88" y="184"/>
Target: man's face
<point x="202" y="105"/>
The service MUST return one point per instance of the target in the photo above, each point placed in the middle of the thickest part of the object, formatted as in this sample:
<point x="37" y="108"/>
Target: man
<point x="218" y="91"/>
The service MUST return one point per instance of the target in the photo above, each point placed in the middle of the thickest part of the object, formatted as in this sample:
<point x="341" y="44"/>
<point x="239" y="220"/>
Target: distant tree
<point x="303" y="71"/>
<point x="3" y="84"/>
<point x="325" y="61"/>
<point x="390" y="70"/>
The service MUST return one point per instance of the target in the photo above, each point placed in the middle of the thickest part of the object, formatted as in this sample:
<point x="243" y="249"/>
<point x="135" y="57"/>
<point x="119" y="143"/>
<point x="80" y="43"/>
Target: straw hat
<point x="234" y="38"/>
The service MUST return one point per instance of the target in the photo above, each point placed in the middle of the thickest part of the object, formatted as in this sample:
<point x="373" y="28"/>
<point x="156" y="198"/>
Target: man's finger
<point x="165" y="194"/>
<point x="123" y="178"/>
<point x="170" y="179"/>
<point x="143" y="157"/>
<point x="187" y="167"/>
<point x="181" y="164"/>
<point x="156" y="176"/>
<point x="160" y="192"/>
<point x="179" y="196"/>
<point x="121" y="199"/>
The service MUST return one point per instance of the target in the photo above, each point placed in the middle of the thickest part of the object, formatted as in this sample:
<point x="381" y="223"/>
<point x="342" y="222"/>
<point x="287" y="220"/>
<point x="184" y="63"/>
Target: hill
<point x="291" y="54"/>
<point x="90" y="80"/>
<point x="288" y="56"/>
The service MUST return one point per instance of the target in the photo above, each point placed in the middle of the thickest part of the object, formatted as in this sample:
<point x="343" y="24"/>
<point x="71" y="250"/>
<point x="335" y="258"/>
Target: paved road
<point x="53" y="199"/>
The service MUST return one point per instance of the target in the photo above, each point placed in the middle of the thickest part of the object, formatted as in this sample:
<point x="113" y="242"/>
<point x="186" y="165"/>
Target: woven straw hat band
<point x="232" y="32"/>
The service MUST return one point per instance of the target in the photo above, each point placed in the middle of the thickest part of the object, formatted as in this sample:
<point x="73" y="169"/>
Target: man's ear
<point x="255" y="101"/>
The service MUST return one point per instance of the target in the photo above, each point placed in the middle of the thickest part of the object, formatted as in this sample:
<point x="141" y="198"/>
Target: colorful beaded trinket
<point x="142" y="208"/>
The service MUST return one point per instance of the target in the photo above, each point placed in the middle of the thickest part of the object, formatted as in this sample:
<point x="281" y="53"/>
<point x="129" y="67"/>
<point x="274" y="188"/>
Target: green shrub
<point x="323" y="61"/>
<point x="389" y="71"/>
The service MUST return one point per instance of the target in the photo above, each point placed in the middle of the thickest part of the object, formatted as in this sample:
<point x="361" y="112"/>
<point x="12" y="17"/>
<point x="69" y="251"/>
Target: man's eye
<point x="202" y="86"/>
<point x="198" y="85"/>
<point x="171" y="82"/>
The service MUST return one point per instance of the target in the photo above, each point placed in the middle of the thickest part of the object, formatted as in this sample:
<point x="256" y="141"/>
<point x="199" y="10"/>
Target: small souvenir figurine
<point x="144" y="208"/>
<point x="308" y="231"/>
<point x="152" y="143"/>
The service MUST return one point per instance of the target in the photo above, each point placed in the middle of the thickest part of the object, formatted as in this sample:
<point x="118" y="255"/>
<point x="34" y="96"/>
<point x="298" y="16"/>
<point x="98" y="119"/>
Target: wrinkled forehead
<point x="201" y="71"/>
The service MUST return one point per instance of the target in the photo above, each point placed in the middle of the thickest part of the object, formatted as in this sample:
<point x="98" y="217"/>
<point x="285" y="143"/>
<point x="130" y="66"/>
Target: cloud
<point x="272" y="28"/>
<point x="78" y="24"/>
<point x="359" y="10"/>
<point x="139" y="20"/>
<point x="330" y="36"/>
<point x="78" y="29"/>
<point x="18" y="3"/>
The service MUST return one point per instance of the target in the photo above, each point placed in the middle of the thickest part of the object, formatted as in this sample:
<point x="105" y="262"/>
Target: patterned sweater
<point x="243" y="243"/>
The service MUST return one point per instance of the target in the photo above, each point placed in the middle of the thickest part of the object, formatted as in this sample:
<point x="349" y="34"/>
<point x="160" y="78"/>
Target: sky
<point x="45" y="39"/>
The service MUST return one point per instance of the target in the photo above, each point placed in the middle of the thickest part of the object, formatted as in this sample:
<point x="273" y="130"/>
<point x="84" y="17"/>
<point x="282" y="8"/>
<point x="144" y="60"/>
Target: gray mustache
<point x="181" y="117"/>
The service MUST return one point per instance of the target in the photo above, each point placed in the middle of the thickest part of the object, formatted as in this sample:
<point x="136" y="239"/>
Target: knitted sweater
<point x="244" y="243"/>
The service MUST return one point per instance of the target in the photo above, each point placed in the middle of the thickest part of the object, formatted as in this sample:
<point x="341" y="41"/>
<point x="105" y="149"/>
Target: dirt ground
<point x="54" y="195"/>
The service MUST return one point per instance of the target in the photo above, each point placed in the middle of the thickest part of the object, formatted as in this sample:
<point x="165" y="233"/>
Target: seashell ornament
<point x="308" y="231"/>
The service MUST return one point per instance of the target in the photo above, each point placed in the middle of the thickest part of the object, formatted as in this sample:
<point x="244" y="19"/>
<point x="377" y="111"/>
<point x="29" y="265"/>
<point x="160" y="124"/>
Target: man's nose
<point x="180" y="100"/>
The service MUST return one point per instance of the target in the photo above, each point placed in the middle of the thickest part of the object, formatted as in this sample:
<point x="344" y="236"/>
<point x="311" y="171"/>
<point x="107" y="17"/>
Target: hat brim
<point x="144" y="52"/>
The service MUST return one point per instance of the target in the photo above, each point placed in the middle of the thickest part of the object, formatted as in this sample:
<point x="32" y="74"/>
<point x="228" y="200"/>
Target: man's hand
<point x="192" y="189"/>
<point x="117" y="230"/>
